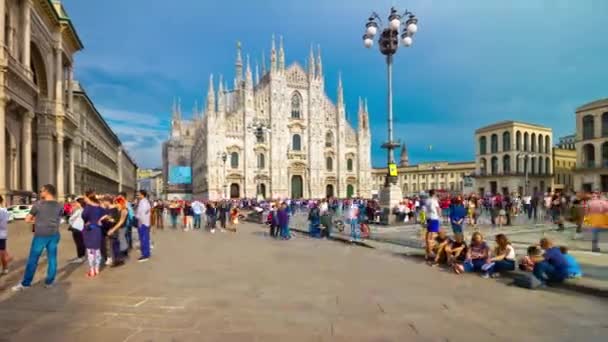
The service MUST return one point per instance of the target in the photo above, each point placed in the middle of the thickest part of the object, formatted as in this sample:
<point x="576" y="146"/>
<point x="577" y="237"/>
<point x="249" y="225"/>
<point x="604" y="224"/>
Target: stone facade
<point x="177" y="151"/>
<point x="423" y="177"/>
<point x="151" y="180"/>
<point x="564" y="163"/>
<point x="592" y="146"/>
<point x="504" y="152"/>
<point x="309" y="149"/>
<point x="41" y="131"/>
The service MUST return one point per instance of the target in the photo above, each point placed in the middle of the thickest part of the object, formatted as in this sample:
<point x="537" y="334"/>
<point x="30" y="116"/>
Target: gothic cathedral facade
<point x="280" y="136"/>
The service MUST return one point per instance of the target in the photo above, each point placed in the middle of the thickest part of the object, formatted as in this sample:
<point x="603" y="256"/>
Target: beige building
<point x="592" y="146"/>
<point x="507" y="151"/>
<point x="564" y="163"/>
<point x="42" y="133"/>
<point x="414" y="179"/>
<point x="282" y="136"/>
<point x="151" y="180"/>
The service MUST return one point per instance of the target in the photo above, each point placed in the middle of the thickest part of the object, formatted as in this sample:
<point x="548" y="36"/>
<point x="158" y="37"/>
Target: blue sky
<point x="473" y="62"/>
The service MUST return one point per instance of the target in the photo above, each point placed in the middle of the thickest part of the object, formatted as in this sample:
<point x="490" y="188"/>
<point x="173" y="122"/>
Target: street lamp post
<point x="388" y="44"/>
<point x="223" y="156"/>
<point x="526" y="157"/>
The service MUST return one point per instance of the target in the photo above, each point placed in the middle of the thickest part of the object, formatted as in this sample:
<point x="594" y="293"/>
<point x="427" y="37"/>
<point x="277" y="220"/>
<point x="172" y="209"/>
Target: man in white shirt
<point x="197" y="209"/>
<point x="4" y="217"/>
<point x="143" y="229"/>
<point x="433" y="217"/>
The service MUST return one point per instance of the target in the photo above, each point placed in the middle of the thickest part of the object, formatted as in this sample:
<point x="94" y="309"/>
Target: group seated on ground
<point x="546" y="262"/>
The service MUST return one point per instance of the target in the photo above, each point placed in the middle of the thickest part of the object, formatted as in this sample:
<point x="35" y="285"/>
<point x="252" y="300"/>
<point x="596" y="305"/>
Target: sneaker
<point x="49" y="286"/>
<point x="142" y="259"/>
<point x="212" y="231"/>
<point x="485" y="276"/>
<point x="5" y="271"/>
<point x="109" y="261"/>
<point x="19" y="287"/>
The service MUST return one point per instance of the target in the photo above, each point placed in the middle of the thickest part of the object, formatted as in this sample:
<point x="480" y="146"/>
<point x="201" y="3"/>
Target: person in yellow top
<point x="597" y="218"/>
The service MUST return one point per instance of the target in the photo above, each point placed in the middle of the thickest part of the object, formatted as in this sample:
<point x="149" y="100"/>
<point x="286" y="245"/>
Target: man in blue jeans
<point x="143" y="229"/>
<point x="46" y="217"/>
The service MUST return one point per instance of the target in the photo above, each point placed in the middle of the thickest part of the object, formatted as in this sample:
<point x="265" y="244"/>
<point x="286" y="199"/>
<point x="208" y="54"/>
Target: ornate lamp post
<point x="526" y="157"/>
<point x="223" y="156"/>
<point x="388" y="44"/>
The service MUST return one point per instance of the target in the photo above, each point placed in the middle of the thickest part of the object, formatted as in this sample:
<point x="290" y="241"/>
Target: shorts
<point x="2" y="244"/>
<point x="432" y="226"/>
<point x="457" y="228"/>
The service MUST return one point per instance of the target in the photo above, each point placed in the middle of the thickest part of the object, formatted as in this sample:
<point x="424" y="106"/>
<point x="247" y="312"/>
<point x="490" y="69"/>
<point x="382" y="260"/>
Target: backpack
<point x="527" y="281"/>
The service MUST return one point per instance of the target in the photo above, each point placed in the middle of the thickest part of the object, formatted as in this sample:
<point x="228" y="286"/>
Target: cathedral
<point x="278" y="135"/>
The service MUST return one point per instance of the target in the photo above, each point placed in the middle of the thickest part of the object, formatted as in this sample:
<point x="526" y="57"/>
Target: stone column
<point x="59" y="157"/>
<point x="2" y="31"/>
<point x="2" y="131"/>
<point x="119" y="166"/>
<point x="46" y="165"/>
<point x="26" y="158"/>
<point x="72" y="171"/>
<point x="58" y="81"/>
<point x="70" y="88"/>
<point x="25" y="57"/>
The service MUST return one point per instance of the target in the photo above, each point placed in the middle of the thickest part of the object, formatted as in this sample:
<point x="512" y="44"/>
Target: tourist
<point x="5" y="258"/>
<point x="440" y="243"/>
<point x="234" y="219"/>
<point x="106" y="223"/>
<point x="273" y="221"/>
<point x="554" y="267"/>
<point x="354" y="221"/>
<point x="197" y="211"/>
<point x="76" y="224"/>
<point x="143" y="230"/>
<point x="478" y="254"/>
<point x="159" y="209"/>
<point x="456" y="252"/>
<point x="578" y="216"/>
<point x="174" y="211"/>
<point x="597" y="213"/>
<point x="458" y="214"/>
<point x="527" y="201"/>
<point x="504" y="257"/>
<point x="92" y="232"/>
<point x="574" y="269"/>
<point x="46" y="215"/>
<point x="314" y="217"/>
<point x="432" y="210"/>
<point x="211" y="214"/>
<point x="189" y="215"/>
<point x="131" y="222"/>
<point x="283" y="218"/>
<point x="534" y="255"/>
<point x="223" y="211"/>
<point x="118" y="217"/>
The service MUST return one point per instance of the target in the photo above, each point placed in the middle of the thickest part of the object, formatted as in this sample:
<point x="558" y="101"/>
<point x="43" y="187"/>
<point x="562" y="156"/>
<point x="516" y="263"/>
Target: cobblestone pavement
<point x="248" y="287"/>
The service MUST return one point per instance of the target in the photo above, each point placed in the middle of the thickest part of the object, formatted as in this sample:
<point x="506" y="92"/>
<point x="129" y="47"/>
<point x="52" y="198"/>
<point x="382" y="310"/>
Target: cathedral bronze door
<point x="297" y="187"/>
<point x="350" y="191"/>
<point x="329" y="191"/>
<point x="235" y="191"/>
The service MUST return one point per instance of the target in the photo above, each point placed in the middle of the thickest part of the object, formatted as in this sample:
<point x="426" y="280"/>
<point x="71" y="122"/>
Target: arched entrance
<point x="235" y="191"/>
<point x="329" y="191"/>
<point x="350" y="190"/>
<point x="297" y="187"/>
<point x="262" y="191"/>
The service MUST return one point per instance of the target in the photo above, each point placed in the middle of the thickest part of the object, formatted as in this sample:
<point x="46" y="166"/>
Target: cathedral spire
<point x="210" y="96"/>
<point x="340" y="91"/>
<point x="263" y="63"/>
<point x="319" y="63"/>
<point x="363" y="123"/>
<point x="281" y="55"/>
<point x="248" y="76"/>
<point x="179" y="108"/>
<point x="360" y="108"/>
<point x="365" y="108"/>
<point x="404" y="159"/>
<point x="257" y="73"/>
<point x="311" y="63"/>
<point x="239" y="63"/>
<point x="174" y="109"/>
<point x="221" y="96"/>
<point x="273" y="56"/>
<point x="195" y="110"/>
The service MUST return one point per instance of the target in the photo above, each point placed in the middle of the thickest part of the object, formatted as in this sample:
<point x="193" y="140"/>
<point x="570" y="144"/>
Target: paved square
<point x="248" y="287"/>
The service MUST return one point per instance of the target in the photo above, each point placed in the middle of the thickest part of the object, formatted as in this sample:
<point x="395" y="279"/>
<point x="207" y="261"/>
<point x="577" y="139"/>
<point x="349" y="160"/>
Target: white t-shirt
<point x="527" y="199"/>
<point x="4" y="215"/>
<point x="510" y="253"/>
<point x="432" y="208"/>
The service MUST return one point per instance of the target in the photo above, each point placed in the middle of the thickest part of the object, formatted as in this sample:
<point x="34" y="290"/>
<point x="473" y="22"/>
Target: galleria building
<point x="276" y="135"/>
<point x="50" y="131"/>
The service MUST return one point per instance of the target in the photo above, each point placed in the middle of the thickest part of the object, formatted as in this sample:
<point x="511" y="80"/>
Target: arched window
<point x="296" y="106"/>
<point x="532" y="165"/>
<point x="605" y="124"/>
<point x="483" y="166"/>
<point x="494" y="143"/>
<point x="518" y="141"/>
<point x="518" y="165"/>
<point x="296" y="142"/>
<point x="234" y="160"/>
<point x="588" y="155"/>
<point x="547" y="144"/>
<point x="540" y="165"/>
<point x="605" y="154"/>
<point x="329" y="164"/>
<point x="494" y="165"/>
<point x="329" y="139"/>
<point x="506" y="141"/>
<point x="548" y="166"/>
<point x="506" y="164"/>
<point x="588" y="127"/>
<point x="349" y="164"/>
<point x="526" y="141"/>
<point x="541" y="143"/>
<point x="482" y="145"/>
<point x="533" y="142"/>
<point x="261" y="161"/>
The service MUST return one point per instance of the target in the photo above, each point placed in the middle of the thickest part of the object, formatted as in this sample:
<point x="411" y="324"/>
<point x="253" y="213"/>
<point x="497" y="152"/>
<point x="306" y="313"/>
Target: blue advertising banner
<point x="180" y="175"/>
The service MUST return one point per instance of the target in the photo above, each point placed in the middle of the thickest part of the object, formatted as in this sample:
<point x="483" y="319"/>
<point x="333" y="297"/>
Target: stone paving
<point x="248" y="287"/>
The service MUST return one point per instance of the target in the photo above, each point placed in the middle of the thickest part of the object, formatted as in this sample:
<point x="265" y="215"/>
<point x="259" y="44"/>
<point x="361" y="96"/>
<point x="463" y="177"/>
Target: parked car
<point x="11" y="218"/>
<point x="19" y="212"/>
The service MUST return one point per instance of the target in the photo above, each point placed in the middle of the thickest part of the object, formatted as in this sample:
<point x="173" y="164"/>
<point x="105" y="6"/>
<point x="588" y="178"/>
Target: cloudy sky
<point x="473" y="62"/>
